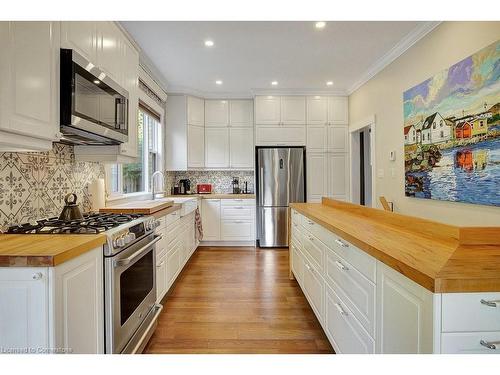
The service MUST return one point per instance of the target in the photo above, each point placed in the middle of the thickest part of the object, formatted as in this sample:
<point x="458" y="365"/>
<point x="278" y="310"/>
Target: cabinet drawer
<point x="314" y="249"/>
<point x="314" y="289"/>
<point x="162" y="224"/>
<point x="360" y="260"/>
<point x="237" y="212"/>
<point x="161" y="248"/>
<point x="470" y="343"/>
<point x="237" y="202"/>
<point x="237" y="230"/>
<point x="296" y="218"/>
<point x="356" y="291"/>
<point x="172" y="217"/>
<point x="297" y="263"/>
<point x="464" y="312"/>
<point x="161" y="277"/>
<point x="342" y="327"/>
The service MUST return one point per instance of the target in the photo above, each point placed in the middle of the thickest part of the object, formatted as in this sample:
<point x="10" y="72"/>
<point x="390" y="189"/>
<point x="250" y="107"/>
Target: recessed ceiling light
<point x="320" y="24"/>
<point x="274" y="83"/>
<point x="329" y="83"/>
<point x="218" y="82"/>
<point x="209" y="43"/>
<point x="96" y="81"/>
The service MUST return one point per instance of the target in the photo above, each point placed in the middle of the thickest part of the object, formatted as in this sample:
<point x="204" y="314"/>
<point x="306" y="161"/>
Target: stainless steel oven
<point x="94" y="108"/>
<point x="130" y="292"/>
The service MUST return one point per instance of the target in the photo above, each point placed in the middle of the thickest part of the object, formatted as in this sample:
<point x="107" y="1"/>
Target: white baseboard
<point x="228" y="243"/>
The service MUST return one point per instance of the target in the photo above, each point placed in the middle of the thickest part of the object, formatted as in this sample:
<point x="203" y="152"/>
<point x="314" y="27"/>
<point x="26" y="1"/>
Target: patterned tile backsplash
<point x="33" y="185"/>
<point x="220" y="180"/>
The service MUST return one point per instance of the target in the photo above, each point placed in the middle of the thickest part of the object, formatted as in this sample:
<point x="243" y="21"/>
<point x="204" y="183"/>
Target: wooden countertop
<point x="216" y="196"/>
<point x="440" y="257"/>
<point x="146" y="207"/>
<point x="45" y="250"/>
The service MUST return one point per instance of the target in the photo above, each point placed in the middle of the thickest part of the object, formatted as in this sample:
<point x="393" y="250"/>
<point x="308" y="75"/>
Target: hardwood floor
<point x="237" y="300"/>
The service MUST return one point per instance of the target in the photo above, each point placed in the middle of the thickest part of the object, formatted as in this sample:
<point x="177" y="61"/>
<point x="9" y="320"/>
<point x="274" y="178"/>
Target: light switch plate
<point x="392" y="155"/>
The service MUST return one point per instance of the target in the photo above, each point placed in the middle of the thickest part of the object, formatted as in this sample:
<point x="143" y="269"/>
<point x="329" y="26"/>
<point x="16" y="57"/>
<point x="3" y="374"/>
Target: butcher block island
<point x="381" y="282"/>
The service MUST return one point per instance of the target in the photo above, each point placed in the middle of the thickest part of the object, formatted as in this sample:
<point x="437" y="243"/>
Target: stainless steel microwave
<point x="94" y="108"/>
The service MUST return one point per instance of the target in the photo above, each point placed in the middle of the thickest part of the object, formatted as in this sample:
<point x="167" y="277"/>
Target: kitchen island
<point x="381" y="282"/>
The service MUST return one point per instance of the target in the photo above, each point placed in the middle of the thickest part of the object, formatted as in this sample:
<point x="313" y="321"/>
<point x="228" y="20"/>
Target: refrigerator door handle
<point x="261" y="186"/>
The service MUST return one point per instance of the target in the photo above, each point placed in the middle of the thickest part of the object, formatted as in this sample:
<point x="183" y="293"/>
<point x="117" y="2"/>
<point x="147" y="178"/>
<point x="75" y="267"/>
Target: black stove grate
<point x="91" y="223"/>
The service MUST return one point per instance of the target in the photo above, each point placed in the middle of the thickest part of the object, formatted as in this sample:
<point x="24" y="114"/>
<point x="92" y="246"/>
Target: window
<point x="441" y="134"/>
<point x="434" y="125"/>
<point x="441" y="123"/>
<point x="135" y="177"/>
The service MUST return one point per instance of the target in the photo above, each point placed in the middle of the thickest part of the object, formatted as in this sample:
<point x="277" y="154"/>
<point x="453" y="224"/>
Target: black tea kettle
<point x="71" y="210"/>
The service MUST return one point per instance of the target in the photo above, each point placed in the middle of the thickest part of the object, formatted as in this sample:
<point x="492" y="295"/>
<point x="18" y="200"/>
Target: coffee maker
<point x="185" y="186"/>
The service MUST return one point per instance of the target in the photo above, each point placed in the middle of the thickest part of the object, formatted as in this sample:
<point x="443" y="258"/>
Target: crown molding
<point x="401" y="47"/>
<point x="338" y="92"/>
<point x="183" y="90"/>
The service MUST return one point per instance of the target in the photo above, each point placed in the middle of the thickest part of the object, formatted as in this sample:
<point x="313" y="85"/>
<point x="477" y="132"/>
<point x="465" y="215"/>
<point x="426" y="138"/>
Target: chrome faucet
<point x="153" y="182"/>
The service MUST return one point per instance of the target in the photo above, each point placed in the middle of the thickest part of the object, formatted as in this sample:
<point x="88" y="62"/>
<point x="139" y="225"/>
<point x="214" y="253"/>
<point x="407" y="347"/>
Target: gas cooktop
<point x="91" y="223"/>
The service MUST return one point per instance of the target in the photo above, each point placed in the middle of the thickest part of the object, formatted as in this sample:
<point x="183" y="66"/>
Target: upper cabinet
<point x="216" y="113"/>
<point x="327" y="110"/>
<point x="195" y="111"/>
<point x="29" y="90"/>
<point x="241" y="113"/>
<point x="280" y="110"/>
<point x="80" y="36"/>
<point x="109" y="49"/>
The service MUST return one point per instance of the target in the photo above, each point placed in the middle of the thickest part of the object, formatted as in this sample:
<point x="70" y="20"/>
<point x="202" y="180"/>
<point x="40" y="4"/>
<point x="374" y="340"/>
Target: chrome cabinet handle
<point x="37" y="276"/>
<point x="340" y="309"/>
<point x="341" y="243"/>
<point x="160" y="265"/>
<point x="238" y="208"/>
<point x="310" y="222"/>
<point x="490" y="345"/>
<point x="490" y="303"/>
<point x="340" y="266"/>
<point x="309" y="268"/>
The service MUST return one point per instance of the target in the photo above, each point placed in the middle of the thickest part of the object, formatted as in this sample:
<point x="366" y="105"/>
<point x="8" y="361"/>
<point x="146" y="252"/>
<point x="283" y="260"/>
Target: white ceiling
<point x="247" y="56"/>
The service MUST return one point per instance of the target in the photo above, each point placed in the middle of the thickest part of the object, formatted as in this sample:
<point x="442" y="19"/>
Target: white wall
<point x="382" y="96"/>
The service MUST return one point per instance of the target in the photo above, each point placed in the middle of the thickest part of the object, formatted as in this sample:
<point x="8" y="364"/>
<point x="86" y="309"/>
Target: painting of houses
<point x="452" y="132"/>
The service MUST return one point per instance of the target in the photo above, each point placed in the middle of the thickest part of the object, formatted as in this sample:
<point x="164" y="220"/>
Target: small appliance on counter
<point x="236" y="185"/>
<point x="204" y="188"/>
<point x="184" y="186"/>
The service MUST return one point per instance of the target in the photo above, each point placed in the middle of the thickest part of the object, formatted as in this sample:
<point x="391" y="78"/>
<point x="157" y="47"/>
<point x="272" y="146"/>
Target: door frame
<point x="366" y="124"/>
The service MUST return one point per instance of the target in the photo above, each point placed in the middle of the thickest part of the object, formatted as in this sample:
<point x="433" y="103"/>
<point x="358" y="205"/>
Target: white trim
<point x="301" y="92"/>
<point x="401" y="47"/>
<point x="368" y="123"/>
<point x="147" y="78"/>
<point x="228" y="243"/>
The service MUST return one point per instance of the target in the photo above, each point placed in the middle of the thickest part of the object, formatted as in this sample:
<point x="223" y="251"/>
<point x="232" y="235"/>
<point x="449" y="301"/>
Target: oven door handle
<point x="138" y="253"/>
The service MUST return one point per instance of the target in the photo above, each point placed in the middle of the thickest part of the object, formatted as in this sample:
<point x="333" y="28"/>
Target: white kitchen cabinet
<point x="196" y="146"/>
<point x="29" y="93"/>
<point x="237" y="230"/>
<point x="404" y="314"/>
<point x="317" y="138"/>
<point x="314" y="287"/>
<point x="161" y="277"/>
<point x="210" y="219"/>
<point x="241" y="113"/>
<point x="173" y="263"/>
<point x="267" y="110"/>
<point x="470" y="343"/>
<point x="338" y="110"/>
<point x="80" y="36"/>
<point x="293" y="110"/>
<point x="109" y="47"/>
<point x="337" y="138"/>
<point x="292" y="135"/>
<point x="24" y="311"/>
<point x="317" y="176"/>
<point x="195" y="111"/>
<point x="54" y="307"/>
<point x="217" y="147"/>
<point x="216" y="113"/>
<point x="241" y="147"/>
<point x="317" y="110"/>
<point x="338" y="176"/>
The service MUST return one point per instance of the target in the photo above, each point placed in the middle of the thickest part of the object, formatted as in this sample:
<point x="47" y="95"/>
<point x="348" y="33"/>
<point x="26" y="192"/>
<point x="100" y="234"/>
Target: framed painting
<point x="452" y="132"/>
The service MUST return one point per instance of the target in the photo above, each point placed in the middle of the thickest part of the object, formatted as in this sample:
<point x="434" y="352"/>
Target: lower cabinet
<point x="49" y="308"/>
<point x="161" y="276"/>
<point x="314" y="287"/>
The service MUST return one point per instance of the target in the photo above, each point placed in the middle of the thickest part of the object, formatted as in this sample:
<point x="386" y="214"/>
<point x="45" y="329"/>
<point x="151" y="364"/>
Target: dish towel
<point x="198" y="226"/>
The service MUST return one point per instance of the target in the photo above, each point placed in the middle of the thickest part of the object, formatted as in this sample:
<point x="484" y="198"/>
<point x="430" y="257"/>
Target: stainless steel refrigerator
<point x="280" y="180"/>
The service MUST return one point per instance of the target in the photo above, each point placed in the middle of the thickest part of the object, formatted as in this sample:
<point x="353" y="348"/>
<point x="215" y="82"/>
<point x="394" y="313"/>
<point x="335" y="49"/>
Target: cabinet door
<point x="173" y="264"/>
<point x="80" y="36"/>
<point x="267" y="110"/>
<point x="241" y="147"/>
<point x="196" y="146"/>
<point x="316" y="138"/>
<point x="317" y="110"/>
<point x="24" y="316"/>
<point x="131" y="81"/>
<point x="316" y="177"/>
<point x="237" y="230"/>
<point x="79" y="308"/>
<point x="314" y="288"/>
<point x="338" y="110"/>
<point x="195" y="111"/>
<point x="109" y="48"/>
<point x="404" y="314"/>
<point x="29" y="76"/>
<point x="217" y="147"/>
<point x="293" y="110"/>
<point x="210" y="219"/>
<point x="216" y="113"/>
<point x="161" y="277"/>
<point x="338" y="176"/>
<point x="337" y="138"/>
<point x="241" y="113"/>
<point x="278" y="135"/>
